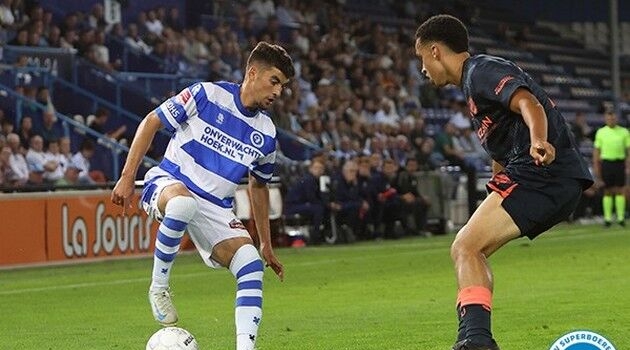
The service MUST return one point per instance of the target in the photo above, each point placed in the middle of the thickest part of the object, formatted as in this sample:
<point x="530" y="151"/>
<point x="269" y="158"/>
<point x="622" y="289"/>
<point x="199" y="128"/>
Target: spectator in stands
<point x="414" y="204"/>
<point x="43" y="97"/>
<point x="99" y="124"/>
<point x="21" y="38"/>
<point x="100" y="53"/>
<point x="367" y="185"/>
<point x="38" y="165"/>
<point x="96" y="19"/>
<point x="7" y="20"/>
<point x="19" y="174"/>
<point x="261" y="10"/>
<point x="5" y="166"/>
<point x="65" y="151"/>
<point x="54" y="156"/>
<point x="173" y="20"/>
<point x="388" y="201"/>
<point x="69" y="39"/>
<point x="305" y="198"/>
<point x="347" y="200"/>
<point x="460" y="117"/>
<point x="54" y="37"/>
<point x="85" y="42"/>
<point x="581" y="130"/>
<point x="26" y="131"/>
<point x="70" y="177"/>
<point x="82" y="160"/>
<point x="7" y="127"/>
<point x="153" y="24"/>
<point x="475" y="157"/>
<point x="49" y="130"/>
<point x="135" y="41"/>
<point x="444" y="143"/>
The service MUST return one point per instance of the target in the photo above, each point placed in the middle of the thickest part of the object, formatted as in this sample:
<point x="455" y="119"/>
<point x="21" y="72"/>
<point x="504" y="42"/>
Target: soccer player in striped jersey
<point x="220" y="135"/>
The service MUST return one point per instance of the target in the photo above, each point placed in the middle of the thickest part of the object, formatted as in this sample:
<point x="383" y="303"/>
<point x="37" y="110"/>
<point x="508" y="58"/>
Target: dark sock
<point x="476" y="321"/>
<point x="461" y="330"/>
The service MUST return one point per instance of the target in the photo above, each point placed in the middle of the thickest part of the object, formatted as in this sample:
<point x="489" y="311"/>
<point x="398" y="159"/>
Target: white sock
<point x="178" y="213"/>
<point x="247" y="267"/>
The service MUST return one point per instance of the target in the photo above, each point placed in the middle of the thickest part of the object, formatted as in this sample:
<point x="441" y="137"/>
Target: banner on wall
<point x="72" y="226"/>
<point x="93" y="227"/>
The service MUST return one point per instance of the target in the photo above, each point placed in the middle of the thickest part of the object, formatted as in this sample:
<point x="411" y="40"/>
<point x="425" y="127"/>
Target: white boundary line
<point x="428" y="247"/>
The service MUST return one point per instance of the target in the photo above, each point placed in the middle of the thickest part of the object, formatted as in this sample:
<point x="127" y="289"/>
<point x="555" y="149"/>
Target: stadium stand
<point x="358" y="90"/>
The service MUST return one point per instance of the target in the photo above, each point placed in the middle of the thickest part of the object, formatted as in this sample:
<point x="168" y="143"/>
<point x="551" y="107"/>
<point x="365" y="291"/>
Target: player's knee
<point x="183" y="208"/>
<point x="462" y="246"/>
<point x="246" y="263"/>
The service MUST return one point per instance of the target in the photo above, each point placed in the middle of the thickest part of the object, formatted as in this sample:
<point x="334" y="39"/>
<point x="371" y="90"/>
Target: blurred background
<point x="384" y="154"/>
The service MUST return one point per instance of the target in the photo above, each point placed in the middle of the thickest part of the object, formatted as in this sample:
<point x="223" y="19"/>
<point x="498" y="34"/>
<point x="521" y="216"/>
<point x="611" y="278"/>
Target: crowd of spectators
<point x="358" y="94"/>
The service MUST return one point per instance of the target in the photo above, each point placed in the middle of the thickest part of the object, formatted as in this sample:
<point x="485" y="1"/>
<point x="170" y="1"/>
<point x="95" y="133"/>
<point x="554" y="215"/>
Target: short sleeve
<point x="262" y="169"/>
<point x="177" y="109"/>
<point x="598" y="139"/>
<point x="497" y="81"/>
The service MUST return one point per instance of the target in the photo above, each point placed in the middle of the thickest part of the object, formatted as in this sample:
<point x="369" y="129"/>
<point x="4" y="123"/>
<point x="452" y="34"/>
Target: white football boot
<point x="162" y="306"/>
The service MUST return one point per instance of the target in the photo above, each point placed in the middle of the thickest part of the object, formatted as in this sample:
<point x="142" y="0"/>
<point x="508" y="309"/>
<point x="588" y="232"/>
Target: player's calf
<point x="178" y="213"/>
<point x="248" y="269"/>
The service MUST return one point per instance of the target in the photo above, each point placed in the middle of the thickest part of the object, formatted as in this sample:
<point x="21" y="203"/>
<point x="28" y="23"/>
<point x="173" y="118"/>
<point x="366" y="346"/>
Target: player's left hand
<point x="543" y="152"/>
<point x="272" y="261"/>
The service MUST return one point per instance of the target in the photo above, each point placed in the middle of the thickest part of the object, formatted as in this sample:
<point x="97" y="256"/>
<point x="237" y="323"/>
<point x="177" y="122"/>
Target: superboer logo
<point x="582" y="340"/>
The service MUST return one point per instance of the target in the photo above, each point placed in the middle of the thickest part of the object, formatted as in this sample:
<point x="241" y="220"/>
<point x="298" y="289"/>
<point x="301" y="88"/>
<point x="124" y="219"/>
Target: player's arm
<point x="528" y="106"/>
<point x="496" y="167"/>
<point x="597" y="160"/>
<point x="124" y="188"/>
<point x="259" y="194"/>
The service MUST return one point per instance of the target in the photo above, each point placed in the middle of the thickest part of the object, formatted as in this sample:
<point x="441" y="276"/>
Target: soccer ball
<point x="172" y="338"/>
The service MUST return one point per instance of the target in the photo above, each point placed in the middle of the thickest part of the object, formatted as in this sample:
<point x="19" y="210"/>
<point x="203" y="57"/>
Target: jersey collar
<point x="239" y="104"/>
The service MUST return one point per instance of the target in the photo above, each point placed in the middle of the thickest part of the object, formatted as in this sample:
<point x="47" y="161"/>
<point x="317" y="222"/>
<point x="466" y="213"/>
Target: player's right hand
<point x="271" y="261"/>
<point x="123" y="192"/>
<point x="543" y="152"/>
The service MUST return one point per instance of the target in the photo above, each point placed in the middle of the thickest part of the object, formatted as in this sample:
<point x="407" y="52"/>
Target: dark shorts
<point x="614" y="173"/>
<point x="534" y="202"/>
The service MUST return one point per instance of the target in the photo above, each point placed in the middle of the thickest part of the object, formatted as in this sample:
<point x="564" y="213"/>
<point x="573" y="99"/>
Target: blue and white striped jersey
<point x="216" y="141"/>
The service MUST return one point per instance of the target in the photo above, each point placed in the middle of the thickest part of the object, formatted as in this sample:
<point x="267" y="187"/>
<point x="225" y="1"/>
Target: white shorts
<point x="211" y="225"/>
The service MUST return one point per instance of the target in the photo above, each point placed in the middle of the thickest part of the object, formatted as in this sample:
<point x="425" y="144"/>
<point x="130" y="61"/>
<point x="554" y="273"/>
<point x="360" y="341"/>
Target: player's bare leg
<point x="242" y="258"/>
<point x="178" y="208"/>
<point x="489" y="228"/>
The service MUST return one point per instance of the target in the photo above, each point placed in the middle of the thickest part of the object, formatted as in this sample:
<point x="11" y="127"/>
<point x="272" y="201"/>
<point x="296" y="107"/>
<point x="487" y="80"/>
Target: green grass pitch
<point x="377" y="295"/>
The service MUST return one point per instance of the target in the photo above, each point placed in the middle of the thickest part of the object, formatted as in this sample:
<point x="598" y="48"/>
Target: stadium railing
<point x="67" y="122"/>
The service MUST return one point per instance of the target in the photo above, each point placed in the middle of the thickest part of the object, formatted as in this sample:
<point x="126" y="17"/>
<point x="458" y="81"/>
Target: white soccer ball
<point x="172" y="338"/>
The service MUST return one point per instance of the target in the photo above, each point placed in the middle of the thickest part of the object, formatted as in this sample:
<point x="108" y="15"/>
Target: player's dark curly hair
<point x="445" y="29"/>
<point x="273" y="55"/>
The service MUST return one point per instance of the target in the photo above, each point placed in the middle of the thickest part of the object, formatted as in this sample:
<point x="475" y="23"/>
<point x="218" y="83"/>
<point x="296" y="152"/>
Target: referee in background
<point x="611" y="163"/>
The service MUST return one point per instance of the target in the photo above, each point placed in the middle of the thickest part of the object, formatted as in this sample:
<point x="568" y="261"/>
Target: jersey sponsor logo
<point x="227" y="146"/>
<point x="505" y="79"/>
<point x="195" y="89"/>
<point x="484" y="128"/>
<point x="582" y="340"/>
<point x="184" y="96"/>
<point x="172" y="109"/>
<point x="257" y="139"/>
<point x="220" y="118"/>
<point x="472" y="107"/>
<point x="237" y="224"/>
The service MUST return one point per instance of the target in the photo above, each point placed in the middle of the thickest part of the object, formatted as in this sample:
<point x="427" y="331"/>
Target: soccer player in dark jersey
<point x="539" y="174"/>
